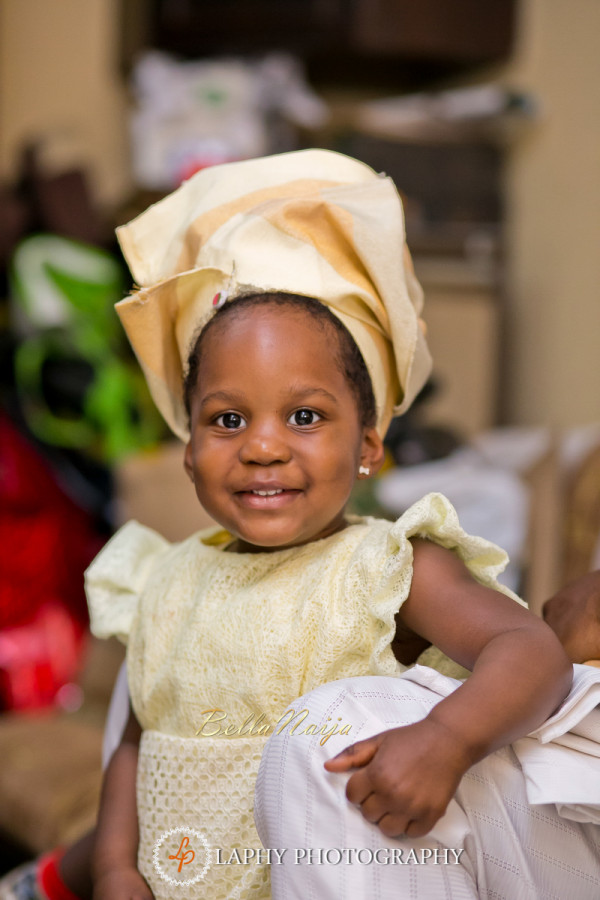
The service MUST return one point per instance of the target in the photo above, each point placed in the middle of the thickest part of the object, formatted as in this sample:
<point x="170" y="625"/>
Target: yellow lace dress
<point x="243" y="635"/>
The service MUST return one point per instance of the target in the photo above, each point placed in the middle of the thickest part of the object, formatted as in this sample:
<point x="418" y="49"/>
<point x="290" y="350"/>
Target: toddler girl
<point x="288" y="283"/>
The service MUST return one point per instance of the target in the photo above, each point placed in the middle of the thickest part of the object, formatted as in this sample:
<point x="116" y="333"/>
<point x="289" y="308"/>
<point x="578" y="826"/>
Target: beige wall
<point x="59" y="77"/>
<point x="553" y="197"/>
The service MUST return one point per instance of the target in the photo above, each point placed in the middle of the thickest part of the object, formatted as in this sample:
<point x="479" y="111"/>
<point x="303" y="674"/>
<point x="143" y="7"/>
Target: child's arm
<point x="114" y="863"/>
<point x="407" y="776"/>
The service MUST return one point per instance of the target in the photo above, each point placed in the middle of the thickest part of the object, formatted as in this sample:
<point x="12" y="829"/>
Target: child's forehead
<point x="281" y="352"/>
<point x="262" y="345"/>
<point x="255" y="325"/>
<point x="267" y="311"/>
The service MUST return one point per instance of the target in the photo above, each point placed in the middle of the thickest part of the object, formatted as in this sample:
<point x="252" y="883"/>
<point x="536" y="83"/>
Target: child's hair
<point x="348" y="357"/>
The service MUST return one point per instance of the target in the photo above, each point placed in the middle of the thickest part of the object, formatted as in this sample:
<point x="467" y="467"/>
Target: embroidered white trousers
<point x="491" y="843"/>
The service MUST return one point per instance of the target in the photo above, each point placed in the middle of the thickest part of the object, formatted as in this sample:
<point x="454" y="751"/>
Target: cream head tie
<point x="312" y="222"/>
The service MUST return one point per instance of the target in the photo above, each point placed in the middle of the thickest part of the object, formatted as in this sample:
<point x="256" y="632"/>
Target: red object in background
<point x="46" y="542"/>
<point x="196" y="163"/>
<point x="38" y="659"/>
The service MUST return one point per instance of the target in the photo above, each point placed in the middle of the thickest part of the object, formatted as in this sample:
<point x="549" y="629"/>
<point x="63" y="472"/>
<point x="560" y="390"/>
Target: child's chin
<point x="270" y="539"/>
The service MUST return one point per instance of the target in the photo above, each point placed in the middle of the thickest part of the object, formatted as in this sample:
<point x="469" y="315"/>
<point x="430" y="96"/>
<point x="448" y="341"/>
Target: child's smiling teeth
<point x="268" y="493"/>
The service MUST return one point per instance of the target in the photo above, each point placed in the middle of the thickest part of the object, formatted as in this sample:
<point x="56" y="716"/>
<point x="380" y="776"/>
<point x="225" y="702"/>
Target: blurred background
<point x="487" y="117"/>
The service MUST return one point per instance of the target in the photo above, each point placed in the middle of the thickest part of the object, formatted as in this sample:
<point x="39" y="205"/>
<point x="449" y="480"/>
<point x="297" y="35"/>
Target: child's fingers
<point x="373" y="808"/>
<point x="395" y="825"/>
<point x="355" y="756"/>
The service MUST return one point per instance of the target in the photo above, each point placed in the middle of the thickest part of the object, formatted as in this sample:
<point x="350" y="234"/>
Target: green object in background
<point x="64" y="293"/>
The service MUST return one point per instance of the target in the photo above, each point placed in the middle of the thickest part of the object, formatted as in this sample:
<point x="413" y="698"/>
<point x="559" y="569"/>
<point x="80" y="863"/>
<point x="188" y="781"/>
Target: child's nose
<point x="265" y="444"/>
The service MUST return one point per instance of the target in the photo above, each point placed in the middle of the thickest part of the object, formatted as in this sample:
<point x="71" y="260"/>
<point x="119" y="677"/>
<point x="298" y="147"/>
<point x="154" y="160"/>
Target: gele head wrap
<point x="310" y="222"/>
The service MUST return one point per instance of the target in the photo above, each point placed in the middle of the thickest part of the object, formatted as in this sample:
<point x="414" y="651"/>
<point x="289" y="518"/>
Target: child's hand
<point x="122" y="884"/>
<point x="406" y="778"/>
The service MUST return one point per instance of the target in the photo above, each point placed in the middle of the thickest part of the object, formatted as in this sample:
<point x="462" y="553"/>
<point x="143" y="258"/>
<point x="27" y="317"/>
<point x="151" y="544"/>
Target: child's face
<point x="573" y="613"/>
<point x="272" y="412"/>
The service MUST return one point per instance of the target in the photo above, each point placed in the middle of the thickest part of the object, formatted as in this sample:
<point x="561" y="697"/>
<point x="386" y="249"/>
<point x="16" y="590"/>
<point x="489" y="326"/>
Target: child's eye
<point x="304" y="417"/>
<point x="230" y="420"/>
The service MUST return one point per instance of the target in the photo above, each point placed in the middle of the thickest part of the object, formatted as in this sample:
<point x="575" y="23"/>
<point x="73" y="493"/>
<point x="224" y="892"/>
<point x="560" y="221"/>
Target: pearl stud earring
<point x="363" y="470"/>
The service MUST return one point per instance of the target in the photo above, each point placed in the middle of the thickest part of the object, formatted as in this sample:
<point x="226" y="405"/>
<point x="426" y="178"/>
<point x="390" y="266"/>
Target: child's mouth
<point x="267" y="498"/>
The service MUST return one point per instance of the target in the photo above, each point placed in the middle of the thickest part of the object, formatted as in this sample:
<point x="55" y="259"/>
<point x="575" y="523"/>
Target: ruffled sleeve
<point x="117" y="576"/>
<point x="434" y="518"/>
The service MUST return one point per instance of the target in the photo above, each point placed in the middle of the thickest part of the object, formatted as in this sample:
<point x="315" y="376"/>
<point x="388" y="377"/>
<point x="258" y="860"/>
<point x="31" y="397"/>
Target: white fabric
<point x="583" y="698"/>
<point x="116" y="717"/>
<point x="560" y="759"/>
<point x="508" y="849"/>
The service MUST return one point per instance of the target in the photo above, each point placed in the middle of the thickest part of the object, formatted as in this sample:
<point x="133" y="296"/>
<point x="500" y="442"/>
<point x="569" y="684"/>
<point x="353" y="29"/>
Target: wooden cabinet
<point x="332" y="36"/>
<point x="463" y="317"/>
<point x="461" y="30"/>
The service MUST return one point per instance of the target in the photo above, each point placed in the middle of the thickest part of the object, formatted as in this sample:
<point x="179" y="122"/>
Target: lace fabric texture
<point x="202" y="784"/>
<point x="245" y="635"/>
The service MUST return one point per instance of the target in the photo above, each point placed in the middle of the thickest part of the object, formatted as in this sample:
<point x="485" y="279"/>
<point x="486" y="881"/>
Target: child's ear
<point x="372" y="451"/>
<point x="187" y="461"/>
